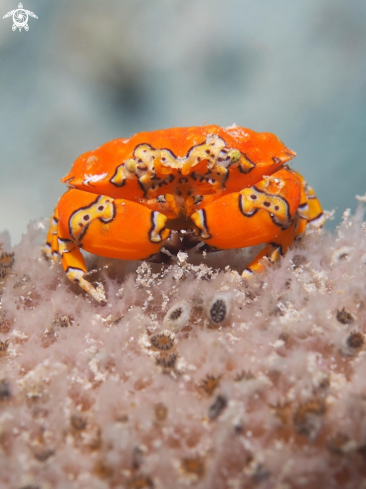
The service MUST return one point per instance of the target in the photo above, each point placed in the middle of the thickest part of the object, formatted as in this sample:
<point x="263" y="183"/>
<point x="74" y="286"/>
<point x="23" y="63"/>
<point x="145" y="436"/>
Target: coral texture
<point x="189" y="376"/>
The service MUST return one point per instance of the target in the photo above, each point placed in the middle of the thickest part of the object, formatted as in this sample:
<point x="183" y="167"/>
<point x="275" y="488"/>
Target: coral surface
<point x="188" y="376"/>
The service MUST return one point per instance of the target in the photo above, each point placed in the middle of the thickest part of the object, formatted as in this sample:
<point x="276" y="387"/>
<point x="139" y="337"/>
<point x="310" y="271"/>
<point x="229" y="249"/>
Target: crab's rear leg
<point x="279" y="245"/>
<point x="264" y="213"/>
<point x="51" y="246"/>
<point x="310" y="209"/>
<point x="114" y="228"/>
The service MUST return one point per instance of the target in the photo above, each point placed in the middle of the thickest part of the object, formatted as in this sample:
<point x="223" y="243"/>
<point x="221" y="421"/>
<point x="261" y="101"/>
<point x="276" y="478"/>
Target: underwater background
<point x="87" y="72"/>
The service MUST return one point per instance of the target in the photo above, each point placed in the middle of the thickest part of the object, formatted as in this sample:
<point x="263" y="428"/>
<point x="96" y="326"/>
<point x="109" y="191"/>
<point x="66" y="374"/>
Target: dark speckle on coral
<point x="140" y="482"/>
<point x="308" y="417"/>
<point x="193" y="466"/>
<point x="219" y="309"/>
<point x="162" y="341"/>
<point x="344" y="316"/>
<point x="167" y="361"/>
<point x="78" y="422"/>
<point x="176" y="313"/>
<point x="217" y="407"/>
<point x="210" y="383"/>
<point x="355" y="340"/>
<point x="4" y="390"/>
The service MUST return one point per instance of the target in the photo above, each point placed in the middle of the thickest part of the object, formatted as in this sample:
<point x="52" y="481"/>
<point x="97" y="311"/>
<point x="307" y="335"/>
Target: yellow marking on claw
<point x="253" y="200"/>
<point x="101" y="209"/>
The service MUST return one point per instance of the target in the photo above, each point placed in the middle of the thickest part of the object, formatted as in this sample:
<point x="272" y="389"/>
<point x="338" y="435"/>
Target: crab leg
<point x="308" y="212"/>
<point x="272" y="251"/>
<point x="310" y="208"/>
<point x="114" y="228"/>
<point x="51" y="246"/>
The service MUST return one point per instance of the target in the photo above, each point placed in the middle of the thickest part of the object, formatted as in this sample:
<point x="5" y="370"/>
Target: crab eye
<point x="234" y="155"/>
<point x="131" y="166"/>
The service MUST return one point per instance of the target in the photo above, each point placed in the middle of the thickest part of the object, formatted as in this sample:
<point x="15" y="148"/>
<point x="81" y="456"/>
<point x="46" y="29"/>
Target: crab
<point x="138" y="198"/>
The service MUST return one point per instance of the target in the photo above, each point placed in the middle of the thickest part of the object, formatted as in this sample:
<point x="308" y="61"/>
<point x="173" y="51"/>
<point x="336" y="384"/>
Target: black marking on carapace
<point x="183" y="180"/>
<point x="142" y="188"/>
<point x="169" y="179"/>
<point x="142" y="144"/>
<point x="195" y="146"/>
<point x="244" y="170"/>
<point x="119" y="185"/>
<point x="154" y="149"/>
<point x="156" y="185"/>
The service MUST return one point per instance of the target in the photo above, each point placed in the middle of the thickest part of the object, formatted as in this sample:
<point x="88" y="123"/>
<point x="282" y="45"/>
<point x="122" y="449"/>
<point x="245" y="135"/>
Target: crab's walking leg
<point x="264" y="213"/>
<point x="114" y="228"/>
<point x="74" y="264"/>
<point x="51" y="246"/>
<point x="272" y="251"/>
<point x="310" y="207"/>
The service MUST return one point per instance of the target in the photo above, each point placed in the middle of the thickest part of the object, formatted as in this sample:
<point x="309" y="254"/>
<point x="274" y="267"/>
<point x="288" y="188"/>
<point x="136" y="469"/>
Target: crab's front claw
<point x="114" y="228"/>
<point x="264" y="213"/>
<point x="253" y="216"/>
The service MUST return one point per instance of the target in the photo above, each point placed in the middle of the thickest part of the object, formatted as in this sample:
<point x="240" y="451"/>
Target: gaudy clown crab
<point x="228" y="187"/>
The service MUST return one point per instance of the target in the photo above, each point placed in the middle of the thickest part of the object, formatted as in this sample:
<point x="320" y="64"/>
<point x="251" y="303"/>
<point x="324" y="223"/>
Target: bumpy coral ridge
<point x="189" y="376"/>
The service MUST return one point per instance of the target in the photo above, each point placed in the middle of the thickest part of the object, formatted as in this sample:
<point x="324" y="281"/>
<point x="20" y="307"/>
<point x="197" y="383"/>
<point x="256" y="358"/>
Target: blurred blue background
<point x="90" y="71"/>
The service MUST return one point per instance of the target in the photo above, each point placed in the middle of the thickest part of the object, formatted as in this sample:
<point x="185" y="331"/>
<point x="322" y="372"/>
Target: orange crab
<point x="227" y="186"/>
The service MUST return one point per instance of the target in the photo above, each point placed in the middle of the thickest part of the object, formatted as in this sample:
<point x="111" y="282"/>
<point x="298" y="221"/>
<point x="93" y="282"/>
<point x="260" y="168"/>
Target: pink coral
<point x="261" y="385"/>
